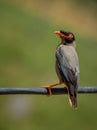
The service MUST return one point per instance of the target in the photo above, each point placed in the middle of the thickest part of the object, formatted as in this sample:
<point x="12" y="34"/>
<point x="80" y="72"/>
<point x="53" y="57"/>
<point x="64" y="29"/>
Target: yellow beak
<point x="59" y="33"/>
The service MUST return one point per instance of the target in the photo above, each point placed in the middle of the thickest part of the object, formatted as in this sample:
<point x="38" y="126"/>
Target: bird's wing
<point x="68" y="63"/>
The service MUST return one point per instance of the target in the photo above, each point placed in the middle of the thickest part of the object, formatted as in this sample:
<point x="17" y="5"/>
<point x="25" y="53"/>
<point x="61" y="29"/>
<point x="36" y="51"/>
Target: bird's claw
<point x="49" y="89"/>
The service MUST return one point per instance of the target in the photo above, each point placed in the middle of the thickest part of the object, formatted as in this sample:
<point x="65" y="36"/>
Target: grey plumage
<point x="67" y="68"/>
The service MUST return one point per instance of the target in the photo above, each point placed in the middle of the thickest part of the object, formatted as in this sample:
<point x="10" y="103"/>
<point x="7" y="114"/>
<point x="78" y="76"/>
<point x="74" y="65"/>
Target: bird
<point x="67" y="66"/>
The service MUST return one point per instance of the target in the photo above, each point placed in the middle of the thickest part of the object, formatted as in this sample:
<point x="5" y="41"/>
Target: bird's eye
<point x="69" y="36"/>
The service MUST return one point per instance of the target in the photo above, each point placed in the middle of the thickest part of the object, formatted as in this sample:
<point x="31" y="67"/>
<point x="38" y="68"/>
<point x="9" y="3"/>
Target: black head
<point x="66" y="37"/>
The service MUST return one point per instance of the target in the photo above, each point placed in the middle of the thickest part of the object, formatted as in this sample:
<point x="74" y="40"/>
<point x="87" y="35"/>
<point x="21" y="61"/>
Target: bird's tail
<point x="72" y="92"/>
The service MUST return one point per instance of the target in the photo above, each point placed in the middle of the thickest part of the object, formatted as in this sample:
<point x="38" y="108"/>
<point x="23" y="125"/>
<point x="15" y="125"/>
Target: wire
<point x="44" y="91"/>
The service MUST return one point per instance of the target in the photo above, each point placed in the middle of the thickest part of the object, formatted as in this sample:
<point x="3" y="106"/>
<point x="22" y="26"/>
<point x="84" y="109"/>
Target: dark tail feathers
<point x="72" y="92"/>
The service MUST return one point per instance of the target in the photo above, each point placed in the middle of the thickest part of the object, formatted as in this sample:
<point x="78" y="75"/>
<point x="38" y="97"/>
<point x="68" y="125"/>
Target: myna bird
<point x="67" y="65"/>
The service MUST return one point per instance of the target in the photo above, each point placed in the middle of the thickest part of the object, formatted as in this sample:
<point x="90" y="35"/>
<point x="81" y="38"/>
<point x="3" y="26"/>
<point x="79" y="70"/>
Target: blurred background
<point x="27" y="59"/>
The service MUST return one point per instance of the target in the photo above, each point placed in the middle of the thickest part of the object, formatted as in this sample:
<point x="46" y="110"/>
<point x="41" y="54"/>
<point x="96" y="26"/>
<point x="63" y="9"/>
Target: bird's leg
<point x="50" y="86"/>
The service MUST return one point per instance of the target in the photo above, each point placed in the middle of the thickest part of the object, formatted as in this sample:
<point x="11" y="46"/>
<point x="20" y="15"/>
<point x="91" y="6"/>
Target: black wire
<point x="44" y="91"/>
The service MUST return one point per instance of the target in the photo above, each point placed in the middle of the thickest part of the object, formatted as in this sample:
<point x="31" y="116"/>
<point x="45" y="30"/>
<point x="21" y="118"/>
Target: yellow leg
<point x="50" y="86"/>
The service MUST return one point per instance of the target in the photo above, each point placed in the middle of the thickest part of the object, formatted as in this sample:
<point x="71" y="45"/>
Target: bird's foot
<point x="48" y="88"/>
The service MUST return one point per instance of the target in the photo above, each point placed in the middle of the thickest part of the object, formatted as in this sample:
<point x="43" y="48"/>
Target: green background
<point x="27" y="59"/>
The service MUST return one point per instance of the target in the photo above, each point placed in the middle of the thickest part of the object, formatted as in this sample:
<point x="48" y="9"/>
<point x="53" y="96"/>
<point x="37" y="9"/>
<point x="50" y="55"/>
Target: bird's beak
<point x="59" y="33"/>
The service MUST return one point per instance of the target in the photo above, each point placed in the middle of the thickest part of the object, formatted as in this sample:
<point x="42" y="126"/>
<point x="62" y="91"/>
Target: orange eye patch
<point x="69" y="36"/>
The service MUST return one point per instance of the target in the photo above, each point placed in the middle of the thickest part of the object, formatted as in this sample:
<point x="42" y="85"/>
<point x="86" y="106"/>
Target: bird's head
<point x="66" y="37"/>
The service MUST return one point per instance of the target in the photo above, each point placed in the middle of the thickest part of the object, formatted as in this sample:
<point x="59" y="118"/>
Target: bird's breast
<point x="68" y="56"/>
